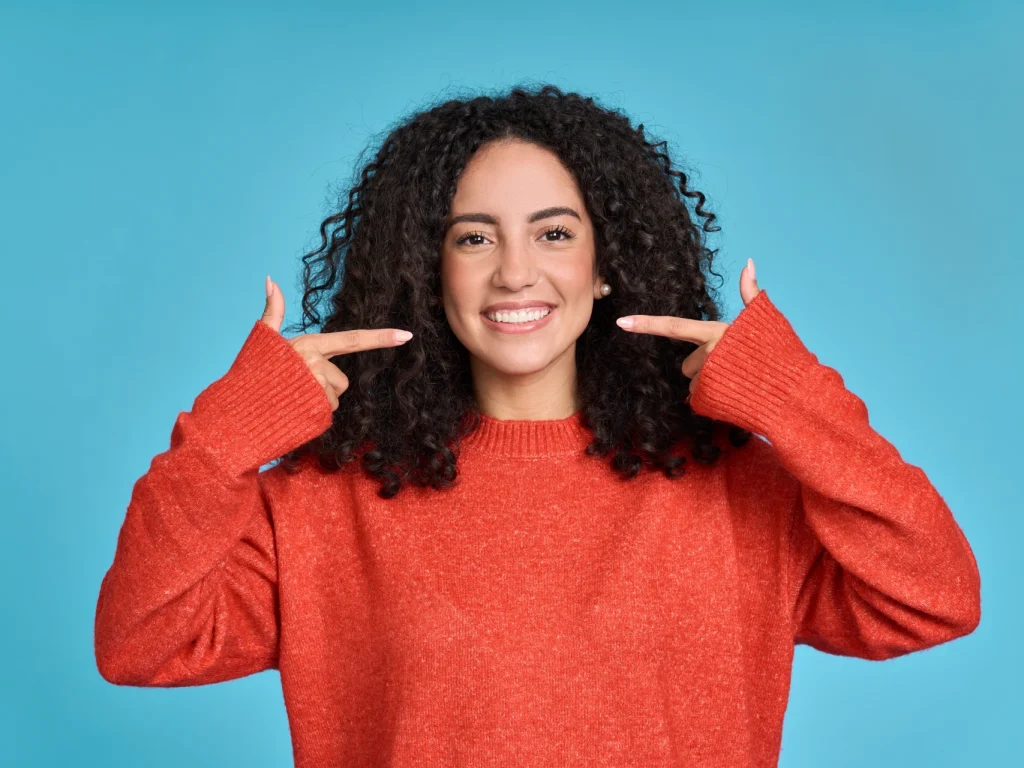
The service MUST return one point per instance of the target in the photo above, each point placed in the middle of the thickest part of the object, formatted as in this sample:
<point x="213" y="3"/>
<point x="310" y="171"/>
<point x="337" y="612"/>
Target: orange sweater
<point x="543" y="612"/>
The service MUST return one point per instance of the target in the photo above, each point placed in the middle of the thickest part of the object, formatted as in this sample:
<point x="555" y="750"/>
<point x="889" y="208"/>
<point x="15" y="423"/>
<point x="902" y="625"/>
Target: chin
<point x="517" y="365"/>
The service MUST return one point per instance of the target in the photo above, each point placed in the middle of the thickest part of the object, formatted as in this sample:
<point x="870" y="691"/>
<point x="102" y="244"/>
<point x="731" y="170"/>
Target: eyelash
<point x="557" y="228"/>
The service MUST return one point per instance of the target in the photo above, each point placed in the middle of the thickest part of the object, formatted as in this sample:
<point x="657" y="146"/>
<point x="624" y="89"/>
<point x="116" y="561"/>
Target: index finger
<point x="358" y="340"/>
<point x="682" y="328"/>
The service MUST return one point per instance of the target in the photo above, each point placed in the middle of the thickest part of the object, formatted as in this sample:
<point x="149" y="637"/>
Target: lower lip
<point x="515" y="328"/>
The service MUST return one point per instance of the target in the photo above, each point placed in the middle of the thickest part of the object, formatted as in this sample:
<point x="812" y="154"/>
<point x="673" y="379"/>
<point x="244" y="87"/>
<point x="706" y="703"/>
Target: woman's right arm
<point x="191" y="596"/>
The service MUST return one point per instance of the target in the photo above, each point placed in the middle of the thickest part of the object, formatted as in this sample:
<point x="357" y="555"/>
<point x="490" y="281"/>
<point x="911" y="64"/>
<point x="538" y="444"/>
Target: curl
<point x="378" y="265"/>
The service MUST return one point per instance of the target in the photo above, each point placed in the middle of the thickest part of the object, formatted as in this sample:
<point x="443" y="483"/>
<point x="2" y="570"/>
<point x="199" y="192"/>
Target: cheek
<point x="461" y="295"/>
<point x="581" y="315"/>
<point x="464" y="285"/>
<point x="575" y="282"/>
<point x="576" y="269"/>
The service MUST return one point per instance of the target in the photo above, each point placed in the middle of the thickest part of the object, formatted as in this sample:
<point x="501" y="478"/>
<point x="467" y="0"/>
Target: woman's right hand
<point x="316" y="348"/>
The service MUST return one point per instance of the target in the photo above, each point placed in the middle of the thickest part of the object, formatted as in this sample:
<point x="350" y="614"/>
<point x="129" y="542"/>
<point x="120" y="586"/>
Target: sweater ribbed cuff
<point x="753" y="370"/>
<point x="268" y="403"/>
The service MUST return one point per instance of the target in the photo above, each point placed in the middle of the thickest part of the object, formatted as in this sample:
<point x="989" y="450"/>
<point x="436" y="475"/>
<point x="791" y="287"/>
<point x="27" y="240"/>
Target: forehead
<point x="514" y="176"/>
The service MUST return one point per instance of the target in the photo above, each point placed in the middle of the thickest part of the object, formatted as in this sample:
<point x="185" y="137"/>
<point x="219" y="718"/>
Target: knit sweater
<point x="544" y="611"/>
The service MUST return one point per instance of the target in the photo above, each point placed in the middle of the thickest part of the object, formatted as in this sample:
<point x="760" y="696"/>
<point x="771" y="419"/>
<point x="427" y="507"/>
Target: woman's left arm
<point x="877" y="566"/>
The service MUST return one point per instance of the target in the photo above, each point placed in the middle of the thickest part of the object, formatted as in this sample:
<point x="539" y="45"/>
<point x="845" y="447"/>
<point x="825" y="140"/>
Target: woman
<point x="576" y="593"/>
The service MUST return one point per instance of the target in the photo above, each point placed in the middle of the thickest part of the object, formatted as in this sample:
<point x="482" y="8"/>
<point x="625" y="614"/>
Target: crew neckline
<point x="525" y="438"/>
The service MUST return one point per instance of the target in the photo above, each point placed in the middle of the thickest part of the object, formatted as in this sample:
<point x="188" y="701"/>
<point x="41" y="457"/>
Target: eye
<point x="468" y="235"/>
<point x="558" y="229"/>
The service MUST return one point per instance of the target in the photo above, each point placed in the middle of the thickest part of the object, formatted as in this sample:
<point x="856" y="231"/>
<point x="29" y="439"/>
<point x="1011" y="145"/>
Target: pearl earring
<point x="605" y="289"/>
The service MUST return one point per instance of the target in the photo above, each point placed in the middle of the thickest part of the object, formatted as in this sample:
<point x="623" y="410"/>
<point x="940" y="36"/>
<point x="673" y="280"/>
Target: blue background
<point x="157" y="162"/>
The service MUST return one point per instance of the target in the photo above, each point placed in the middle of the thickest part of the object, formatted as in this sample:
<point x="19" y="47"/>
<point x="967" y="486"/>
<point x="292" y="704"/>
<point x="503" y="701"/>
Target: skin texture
<point x="530" y="375"/>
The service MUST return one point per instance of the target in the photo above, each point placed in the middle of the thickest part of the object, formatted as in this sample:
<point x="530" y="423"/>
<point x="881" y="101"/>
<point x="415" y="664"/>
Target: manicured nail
<point x="625" y="322"/>
<point x="402" y="335"/>
<point x="750" y="268"/>
<point x="269" y="288"/>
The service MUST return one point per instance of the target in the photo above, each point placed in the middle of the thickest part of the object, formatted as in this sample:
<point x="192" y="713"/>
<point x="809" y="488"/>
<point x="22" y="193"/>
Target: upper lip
<point x="511" y="306"/>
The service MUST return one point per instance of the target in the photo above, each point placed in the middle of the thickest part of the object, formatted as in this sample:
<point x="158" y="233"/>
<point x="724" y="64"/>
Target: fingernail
<point x="625" y="322"/>
<point x="402" y="335"/>
<point x="268" y="287"/>
<point x="750" y="267"/>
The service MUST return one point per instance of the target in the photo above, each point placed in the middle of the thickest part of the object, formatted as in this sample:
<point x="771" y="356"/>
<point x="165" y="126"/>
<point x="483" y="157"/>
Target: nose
<point x="517" y="267"/>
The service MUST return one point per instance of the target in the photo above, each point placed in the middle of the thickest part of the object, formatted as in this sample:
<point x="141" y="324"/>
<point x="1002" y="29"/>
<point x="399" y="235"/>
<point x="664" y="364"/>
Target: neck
<point x="543" y="395"/>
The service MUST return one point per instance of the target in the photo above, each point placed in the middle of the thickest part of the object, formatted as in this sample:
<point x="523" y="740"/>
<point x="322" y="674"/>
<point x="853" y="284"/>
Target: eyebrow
<point x="486" y="218"/>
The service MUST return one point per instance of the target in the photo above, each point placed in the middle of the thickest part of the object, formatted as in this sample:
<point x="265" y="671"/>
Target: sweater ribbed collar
<point x="524" y="438"/>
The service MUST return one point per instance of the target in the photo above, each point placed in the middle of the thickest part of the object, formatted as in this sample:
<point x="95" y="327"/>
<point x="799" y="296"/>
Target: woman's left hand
<point x="704" y="332"/>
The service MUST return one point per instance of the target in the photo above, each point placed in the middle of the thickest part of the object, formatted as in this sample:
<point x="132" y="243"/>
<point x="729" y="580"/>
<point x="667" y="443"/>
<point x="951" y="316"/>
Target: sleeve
<point x="877" y="566"/>
<point x="191" y="597"/>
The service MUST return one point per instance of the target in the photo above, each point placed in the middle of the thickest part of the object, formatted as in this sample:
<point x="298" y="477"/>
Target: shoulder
<point x="750" y="476"/>
<point x="305" y="475"/>
<point x="757" y="485"/>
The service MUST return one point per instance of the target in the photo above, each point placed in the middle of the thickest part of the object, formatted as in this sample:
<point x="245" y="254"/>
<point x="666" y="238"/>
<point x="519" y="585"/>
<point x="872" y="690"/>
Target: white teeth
<point x="522" y="316"/>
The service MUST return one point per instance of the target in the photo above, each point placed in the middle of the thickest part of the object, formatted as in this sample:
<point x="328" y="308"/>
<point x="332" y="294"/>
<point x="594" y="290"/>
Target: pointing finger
<point x="682" y="328"/>
<point x="359" y="340"/>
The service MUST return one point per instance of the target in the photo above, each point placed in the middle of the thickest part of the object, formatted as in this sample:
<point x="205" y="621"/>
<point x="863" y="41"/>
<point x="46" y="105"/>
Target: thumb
<point x="748" y="283"/>
<point x="273" y="311"/>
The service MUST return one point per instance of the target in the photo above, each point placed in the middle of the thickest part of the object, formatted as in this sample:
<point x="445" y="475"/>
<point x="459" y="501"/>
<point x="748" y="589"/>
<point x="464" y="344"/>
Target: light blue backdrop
<point x="157" y="162"/>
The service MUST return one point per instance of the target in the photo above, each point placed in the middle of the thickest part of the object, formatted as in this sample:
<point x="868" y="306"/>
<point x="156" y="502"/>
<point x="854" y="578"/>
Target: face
<point x="518" y="233"/>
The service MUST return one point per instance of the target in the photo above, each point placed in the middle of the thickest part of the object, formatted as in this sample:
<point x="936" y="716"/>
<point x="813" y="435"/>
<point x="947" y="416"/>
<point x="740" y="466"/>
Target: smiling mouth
<point x="518" y="322"/>
<point x="518" y="317"/>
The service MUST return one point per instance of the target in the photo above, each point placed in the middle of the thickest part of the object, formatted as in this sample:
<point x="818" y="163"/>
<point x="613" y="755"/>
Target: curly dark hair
<point x="407" y="407"/>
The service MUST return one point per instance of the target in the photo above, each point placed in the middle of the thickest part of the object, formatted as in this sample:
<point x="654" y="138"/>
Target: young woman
<point x="616" y="574"/>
